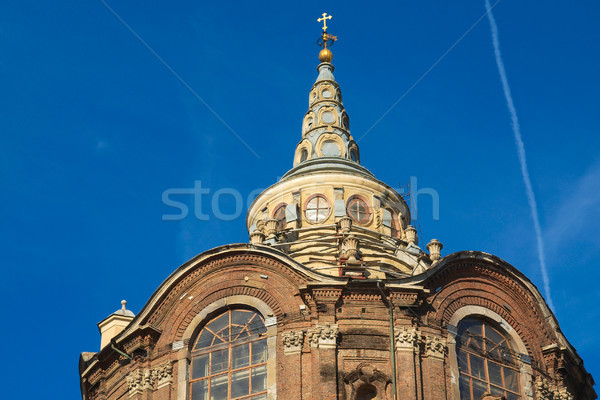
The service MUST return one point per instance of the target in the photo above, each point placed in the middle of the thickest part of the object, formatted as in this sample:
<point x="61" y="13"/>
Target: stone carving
<point x="411" y="234"/>
<point x="292" y="341"/>
<point x="435" y="347"/>
<point x="345" y="224"/>
<point x="257" y="237"/>
<point x="271" y="227"/>
<point x="135" y="382"/>
<point x="407" y="338"/>
<point x="323" y="336"/>
<point x="548" y="390"/>
<point x="149" y="379"/>
<point x="350" y="246"/>
<point x="435" y="249"/>
<point x="163" y="374"/>
<point x="370" y="375"/>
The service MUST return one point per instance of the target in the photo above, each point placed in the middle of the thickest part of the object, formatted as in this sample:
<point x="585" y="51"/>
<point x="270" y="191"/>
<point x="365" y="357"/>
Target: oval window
<point x="330" y="149"/>
<point x="303" y="155"/>
<point x="328" y="117"/>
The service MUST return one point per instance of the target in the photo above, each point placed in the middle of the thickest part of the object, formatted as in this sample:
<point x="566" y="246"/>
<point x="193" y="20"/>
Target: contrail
<point x="521" y="152"/>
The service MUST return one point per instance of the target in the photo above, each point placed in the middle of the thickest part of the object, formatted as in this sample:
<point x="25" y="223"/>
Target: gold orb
<point x="325" y="55"/>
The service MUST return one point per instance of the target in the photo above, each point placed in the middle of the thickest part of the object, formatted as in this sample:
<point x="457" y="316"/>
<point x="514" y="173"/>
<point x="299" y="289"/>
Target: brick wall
<point x="343" y="327"/>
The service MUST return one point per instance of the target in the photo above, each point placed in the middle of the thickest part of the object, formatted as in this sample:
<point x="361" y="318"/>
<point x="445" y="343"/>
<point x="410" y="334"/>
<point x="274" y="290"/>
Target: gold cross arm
<point x="324" y="20"/>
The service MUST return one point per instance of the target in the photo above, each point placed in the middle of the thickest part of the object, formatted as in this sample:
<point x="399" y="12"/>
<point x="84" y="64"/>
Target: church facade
<point x="335" y="298"/>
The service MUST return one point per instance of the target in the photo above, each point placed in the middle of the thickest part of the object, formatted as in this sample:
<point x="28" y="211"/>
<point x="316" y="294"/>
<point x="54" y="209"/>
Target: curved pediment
<point x="256" y="265"/>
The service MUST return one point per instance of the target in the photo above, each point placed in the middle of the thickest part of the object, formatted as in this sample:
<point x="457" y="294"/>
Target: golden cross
<point x="324" y="19"/>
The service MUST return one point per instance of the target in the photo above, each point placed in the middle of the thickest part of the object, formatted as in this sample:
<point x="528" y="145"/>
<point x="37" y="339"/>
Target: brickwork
<point x="332" y="336"/>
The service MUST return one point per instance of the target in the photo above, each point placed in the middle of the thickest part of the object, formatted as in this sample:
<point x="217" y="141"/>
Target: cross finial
<point x="324" y="20"/>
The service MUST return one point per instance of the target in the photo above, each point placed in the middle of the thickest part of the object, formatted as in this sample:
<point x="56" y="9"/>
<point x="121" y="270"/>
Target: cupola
<point x="114" y="324"/>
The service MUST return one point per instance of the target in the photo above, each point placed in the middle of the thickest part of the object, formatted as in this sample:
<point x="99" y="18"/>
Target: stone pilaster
<point x="408" y="344"/>
<point x="323" y="341"/>
<point x="292" y="367"/>
<point x="323" y="336"/>
<point x="433" y="368"/>
<point x="292" y="342"/>
<point x="548" y="390"/>
<point x="149" y="379"/>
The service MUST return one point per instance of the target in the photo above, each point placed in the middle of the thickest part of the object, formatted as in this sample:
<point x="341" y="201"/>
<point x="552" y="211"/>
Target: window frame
<point x="329" y="208"/>
<point x="184" y="356"/>
<point x="525" y="370"/>
<point x="486" y="360"/>
<point x="357" y="199"/>
<point x="251" y="340"/>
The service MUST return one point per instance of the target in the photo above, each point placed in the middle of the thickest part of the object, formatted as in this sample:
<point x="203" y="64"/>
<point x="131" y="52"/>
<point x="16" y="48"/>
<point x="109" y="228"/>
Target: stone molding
<point x="149" y="378"/>
<point x="407" y="338"/>
<point x="547" y="390"/>
<point x="323" y="336"/>
<point x="435" y="347"/>
<point x="292" y="342"/>
<point x="366" y="374"/>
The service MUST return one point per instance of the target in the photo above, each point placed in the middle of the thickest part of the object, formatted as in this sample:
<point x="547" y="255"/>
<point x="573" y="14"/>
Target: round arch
<point x="469" y="311"/>
<point x="183" y="359"/>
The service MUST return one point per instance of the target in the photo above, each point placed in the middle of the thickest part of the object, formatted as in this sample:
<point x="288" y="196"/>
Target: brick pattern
<point x="331" y="340"/>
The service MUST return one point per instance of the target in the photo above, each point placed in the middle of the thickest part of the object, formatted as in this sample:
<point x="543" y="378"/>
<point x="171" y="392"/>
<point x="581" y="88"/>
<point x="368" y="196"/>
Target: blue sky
<point x="95" y="128"/>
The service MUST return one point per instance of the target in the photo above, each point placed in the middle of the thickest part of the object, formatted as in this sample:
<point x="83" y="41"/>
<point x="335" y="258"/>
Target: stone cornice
<point x="222" y="252"/>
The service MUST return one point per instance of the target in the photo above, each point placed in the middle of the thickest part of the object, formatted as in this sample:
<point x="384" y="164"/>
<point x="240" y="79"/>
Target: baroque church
<point x="335" y="298"/>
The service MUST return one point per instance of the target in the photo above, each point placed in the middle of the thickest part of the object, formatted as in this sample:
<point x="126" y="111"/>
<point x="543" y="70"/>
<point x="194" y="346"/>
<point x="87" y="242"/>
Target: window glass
<point x="229" y="360"/>
<point x="317" y="209"/>
<point x="303" y="155"/>
<point x="358" y="210"/>
<point x="279" y="215"/>
<point x="486" y="362"/>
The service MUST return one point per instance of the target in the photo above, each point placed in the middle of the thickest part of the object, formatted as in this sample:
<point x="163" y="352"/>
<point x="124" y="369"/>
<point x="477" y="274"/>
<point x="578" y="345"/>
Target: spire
<point x="326" y="128"/>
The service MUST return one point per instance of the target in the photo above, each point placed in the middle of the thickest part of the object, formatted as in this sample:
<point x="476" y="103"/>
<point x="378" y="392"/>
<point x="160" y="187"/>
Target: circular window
<point x="330" y="149"/>
<point x="327" y="93"/>
<point x="317" y="209"/>
<point x="279" y="215"/>
<point x="358" y="210"/>
<point x="328" y="117"/>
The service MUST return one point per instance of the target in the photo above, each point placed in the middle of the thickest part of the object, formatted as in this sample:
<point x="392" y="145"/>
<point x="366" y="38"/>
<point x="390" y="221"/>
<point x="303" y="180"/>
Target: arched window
<point x="303" y="155"/>
<point x="486" y="361"/>
<point x="279" y="215"/>
<point x="229" y="358"/>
